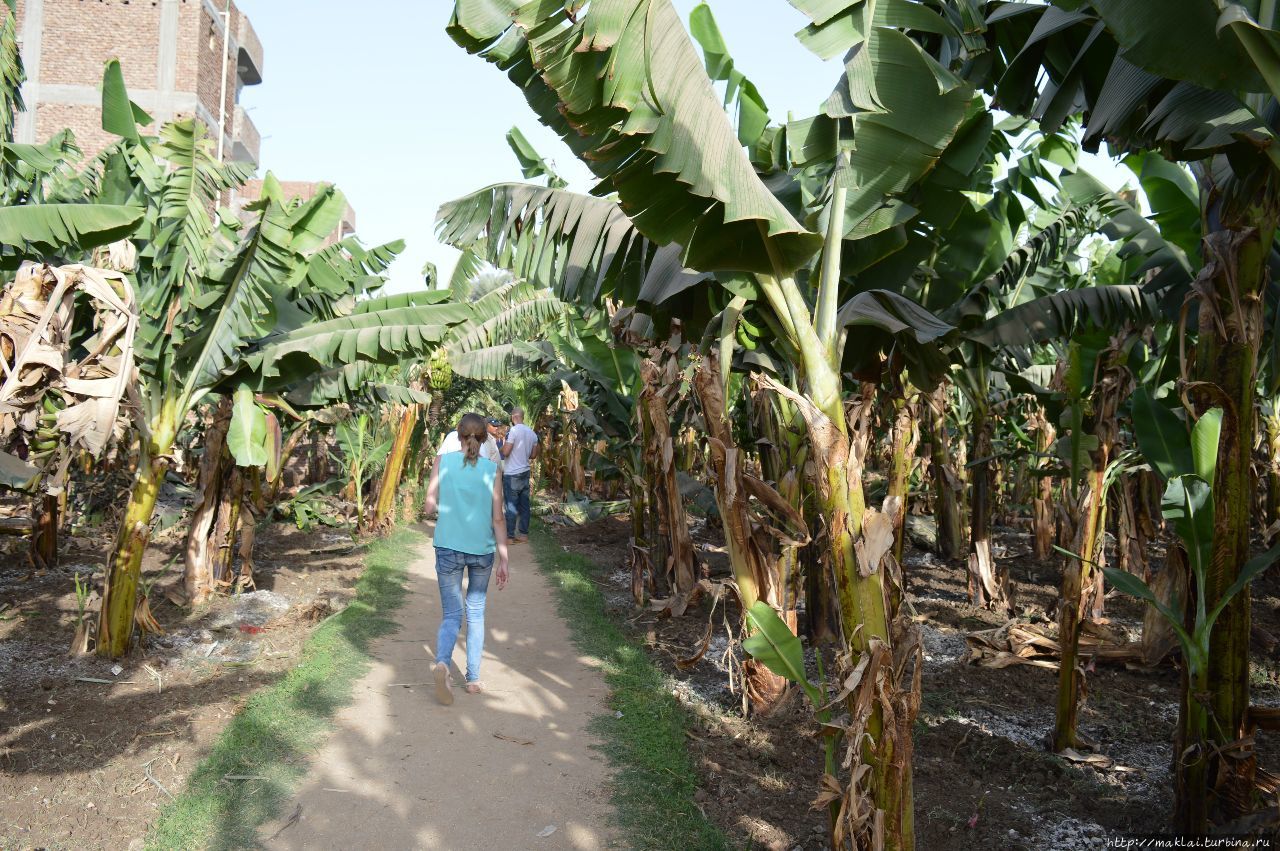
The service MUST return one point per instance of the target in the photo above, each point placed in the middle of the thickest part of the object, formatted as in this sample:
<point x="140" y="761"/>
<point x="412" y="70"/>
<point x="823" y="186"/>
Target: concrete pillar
<point x="167" y="64"/>
<point x="32" y="36"/>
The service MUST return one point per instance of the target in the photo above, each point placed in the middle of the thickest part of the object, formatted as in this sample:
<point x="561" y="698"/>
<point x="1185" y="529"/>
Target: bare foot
<point x="444" y="690"/>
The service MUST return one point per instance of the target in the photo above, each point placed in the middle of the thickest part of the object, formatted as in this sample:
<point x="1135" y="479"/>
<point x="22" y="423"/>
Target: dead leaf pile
<point x="1018" y="643"/>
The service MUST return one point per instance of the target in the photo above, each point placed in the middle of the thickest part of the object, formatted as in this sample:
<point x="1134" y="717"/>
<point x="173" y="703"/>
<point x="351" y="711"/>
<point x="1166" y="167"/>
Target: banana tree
<point x="1142" y="89"/>
<point x="221" y="308"/>
<point x="725" y="219"/>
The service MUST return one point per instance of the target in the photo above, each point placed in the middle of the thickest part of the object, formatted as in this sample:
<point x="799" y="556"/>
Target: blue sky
<point x="376" y="98"/>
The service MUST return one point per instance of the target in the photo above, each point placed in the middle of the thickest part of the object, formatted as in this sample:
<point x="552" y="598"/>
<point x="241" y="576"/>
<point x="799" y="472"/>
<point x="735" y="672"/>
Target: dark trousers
<point x="515" y="493"/>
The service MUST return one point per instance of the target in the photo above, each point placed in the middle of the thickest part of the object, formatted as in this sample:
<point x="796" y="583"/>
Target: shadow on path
<point x="402" y="772"/>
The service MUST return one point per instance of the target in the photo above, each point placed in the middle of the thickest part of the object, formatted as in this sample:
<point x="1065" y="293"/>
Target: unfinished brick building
<point x="179" y="57"/>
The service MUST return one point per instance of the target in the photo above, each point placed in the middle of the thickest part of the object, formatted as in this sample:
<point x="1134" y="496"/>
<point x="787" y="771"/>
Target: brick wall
<point x="85" y="122"/>
<point x="80" y="36"/>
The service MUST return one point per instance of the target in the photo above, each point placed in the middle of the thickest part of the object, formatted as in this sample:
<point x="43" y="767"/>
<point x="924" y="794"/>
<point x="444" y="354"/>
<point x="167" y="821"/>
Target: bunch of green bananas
<point x="439" y="373"/>
<point x="48" y="437"/>
<point x="747" y="334"/>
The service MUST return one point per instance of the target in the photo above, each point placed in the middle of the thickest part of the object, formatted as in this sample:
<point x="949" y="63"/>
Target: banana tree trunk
<point x="1272" y="452"/>
<point x="881" y="715"/>
<point x="252" y="506"/>
<point x="199" y="574"/>
<point x="681" y="564"/>
<point x="1042" y="519"/>
<point x="44" y="531"/>
<point x="901" y="462"/>
<point x="757" y="564"/>
<point x="120" y="587"/>
<point x="226" y="528"/>
<point x="946" y="482"/>
<point x="1082" y="577"/>
<point x="272" y="495"/>
<point x="318" y="463"/>
<point x="1132" y="530"/>
<point x="988" y="582"/>
<point x="1231" y="286"/>
<point x="658" y="580"/>
<point x="572" y="478"/>
<point x="390" y="485"/>
<point x="1077" y="581"/>
<point x="639" y="542"/>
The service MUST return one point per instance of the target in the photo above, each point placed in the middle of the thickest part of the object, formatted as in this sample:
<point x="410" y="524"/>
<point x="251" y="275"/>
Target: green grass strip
<point x="654" y="781"/>
<point x="279" y="727"/>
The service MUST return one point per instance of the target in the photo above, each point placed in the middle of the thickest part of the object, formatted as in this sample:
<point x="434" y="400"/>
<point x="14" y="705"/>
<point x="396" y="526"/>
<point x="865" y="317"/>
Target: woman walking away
<point x="467" y="492"/>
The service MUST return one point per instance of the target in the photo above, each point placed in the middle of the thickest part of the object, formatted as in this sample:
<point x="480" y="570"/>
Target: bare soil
<point x="983" y="778"/>
<point x="515" y="766"/>
<point x="87" y="764"/>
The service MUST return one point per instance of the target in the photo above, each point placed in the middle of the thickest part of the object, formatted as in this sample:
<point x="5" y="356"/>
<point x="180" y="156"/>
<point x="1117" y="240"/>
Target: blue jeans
<point x="450" y="565"/>
<point x="515" y="493"/>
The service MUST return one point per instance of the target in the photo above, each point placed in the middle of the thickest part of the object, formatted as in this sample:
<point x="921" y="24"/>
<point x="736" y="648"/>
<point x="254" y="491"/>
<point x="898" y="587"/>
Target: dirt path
<point x="402" y="772"/>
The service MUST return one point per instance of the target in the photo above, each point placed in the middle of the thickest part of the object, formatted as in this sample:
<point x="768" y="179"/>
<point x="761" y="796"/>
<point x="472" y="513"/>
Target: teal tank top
<point x="465" y="523"/>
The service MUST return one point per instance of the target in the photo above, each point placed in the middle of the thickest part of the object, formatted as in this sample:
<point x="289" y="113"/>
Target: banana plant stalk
<point x="392" y="472"/>
<point x="680" y="563"/>
<point x="862" y="593"/>
<point x="1081" y="583"/>
<point x="1042" y="525"/>
<point x="1271" y="423"/>
<point x="120" y="590"/>
<point x="44" y="530"/>
<point x="902" y="441"/>
<point x="988" y="581"/>
<point x="756" y="561"/>
<point x="199" y="572"/>
<point x="947" y="485"/>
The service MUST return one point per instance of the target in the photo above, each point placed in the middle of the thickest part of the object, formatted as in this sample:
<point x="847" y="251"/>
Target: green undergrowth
<point x="654" y="781"/>
<point x="272" y="736"/>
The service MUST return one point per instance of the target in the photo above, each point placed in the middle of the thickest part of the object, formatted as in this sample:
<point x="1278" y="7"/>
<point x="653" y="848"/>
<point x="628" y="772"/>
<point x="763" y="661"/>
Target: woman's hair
<point x="472" y="432"/>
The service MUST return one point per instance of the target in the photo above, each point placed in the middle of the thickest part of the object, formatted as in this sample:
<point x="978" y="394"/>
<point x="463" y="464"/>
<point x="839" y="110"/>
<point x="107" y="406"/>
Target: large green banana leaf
<point x="350" y="383"/>
<point x="11" y="73"/>
<point x="740" y="94"/>
<point x="532" y="163"/>
<point x="582" y="248"/>
<point x="1130" y="67"/>
<point x="838" y="25"/>
<point x="1200" y="41"/>
<point x="384" y="336"/>
<point x="420" y="298"/>
<point x="241" y="310"/>
<point x="193" y="180"/>
<point x="493" y="344"/>
<point x="1060" y="315"/>
<point x="622" y="84"/>
<point x="905" y="109"/>
<point x="37" y="228"/>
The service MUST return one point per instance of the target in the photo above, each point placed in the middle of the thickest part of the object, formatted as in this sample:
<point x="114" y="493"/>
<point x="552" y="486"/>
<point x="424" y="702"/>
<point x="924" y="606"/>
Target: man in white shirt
<point x="489" y="449"/>
<point x="518" y="451"/>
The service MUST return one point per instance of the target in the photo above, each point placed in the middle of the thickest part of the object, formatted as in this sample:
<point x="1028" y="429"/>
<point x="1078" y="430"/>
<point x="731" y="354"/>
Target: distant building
<point x="304" y="189"/>
<point x="173" y="53"/>
<point x="178" y="56"/>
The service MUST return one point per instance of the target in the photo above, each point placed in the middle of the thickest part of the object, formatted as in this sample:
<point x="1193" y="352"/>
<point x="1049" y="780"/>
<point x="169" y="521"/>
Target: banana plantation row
<point x="914" y="301"/>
